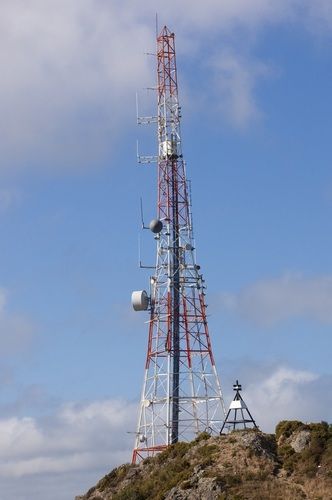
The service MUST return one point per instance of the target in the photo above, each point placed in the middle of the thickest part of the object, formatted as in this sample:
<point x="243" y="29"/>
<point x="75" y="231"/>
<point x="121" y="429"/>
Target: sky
<point x="255" y="90"/>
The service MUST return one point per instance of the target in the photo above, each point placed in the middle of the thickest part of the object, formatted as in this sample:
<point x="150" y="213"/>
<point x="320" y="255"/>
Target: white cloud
<point x="71" y="67"/>
<point x="77" y="437"/>
<point x="64" y="454"/>
<point x="285" y="393"/>
<point x="268" y="302"/>
<point x="76" y="445"/>
<point x="201" y="17"/>
<point x="22" y="398"/>
<point x="236" y="78"/>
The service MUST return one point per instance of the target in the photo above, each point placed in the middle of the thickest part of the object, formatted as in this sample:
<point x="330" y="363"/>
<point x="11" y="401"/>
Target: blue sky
<point x="255" y="80"/>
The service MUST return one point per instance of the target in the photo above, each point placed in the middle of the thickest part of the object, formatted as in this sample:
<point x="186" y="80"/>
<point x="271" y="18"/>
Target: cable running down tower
<point x="181" y="394"/>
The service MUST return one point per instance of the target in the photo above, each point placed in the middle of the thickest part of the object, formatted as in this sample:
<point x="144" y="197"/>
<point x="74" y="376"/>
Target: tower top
<point x="166" y="32"/>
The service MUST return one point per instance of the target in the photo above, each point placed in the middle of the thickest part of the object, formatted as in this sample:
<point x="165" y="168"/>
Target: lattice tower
<point x="181" y="394"/>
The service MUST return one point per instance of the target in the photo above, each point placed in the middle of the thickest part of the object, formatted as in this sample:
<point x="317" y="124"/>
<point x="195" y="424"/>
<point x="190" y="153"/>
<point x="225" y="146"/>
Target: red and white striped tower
<point x="181" y="394"/>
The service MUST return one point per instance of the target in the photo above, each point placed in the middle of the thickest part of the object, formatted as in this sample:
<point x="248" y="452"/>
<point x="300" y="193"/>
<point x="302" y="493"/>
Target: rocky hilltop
<point x="294" y="463"/>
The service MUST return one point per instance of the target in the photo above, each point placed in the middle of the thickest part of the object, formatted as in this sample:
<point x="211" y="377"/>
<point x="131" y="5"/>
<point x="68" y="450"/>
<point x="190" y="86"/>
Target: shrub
<point x="287" y="427"/>
<point x="114" y="477"/>
<point x="174" y="450"/>
<point x="203" y="436"/>
<point x="208" y="450"/>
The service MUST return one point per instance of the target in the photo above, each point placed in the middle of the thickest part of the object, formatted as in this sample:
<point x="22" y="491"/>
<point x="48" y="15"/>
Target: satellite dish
<point x="140" y="300"/>
<point x="142" y="438"/>
<point x="156" y="226"/>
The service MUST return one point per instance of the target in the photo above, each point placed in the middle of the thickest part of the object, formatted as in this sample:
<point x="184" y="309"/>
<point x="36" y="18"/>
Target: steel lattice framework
<point x="181" y="394"/>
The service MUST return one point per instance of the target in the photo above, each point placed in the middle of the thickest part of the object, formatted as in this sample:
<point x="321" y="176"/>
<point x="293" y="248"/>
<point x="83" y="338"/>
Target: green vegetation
<point x="318" y="452"/>
<point x="171" y="468"/>
<point x="203" y="436"/>
<point x="243" y="464"/>
<point x="177" y="450"/>
<point x="115" y="477"/>
<point x="287" y="427"/>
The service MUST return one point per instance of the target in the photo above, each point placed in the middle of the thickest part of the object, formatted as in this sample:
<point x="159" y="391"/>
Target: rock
<point x="261" y="444"/>
<point x="300" y="441"/>
<point x="207" y="489"/>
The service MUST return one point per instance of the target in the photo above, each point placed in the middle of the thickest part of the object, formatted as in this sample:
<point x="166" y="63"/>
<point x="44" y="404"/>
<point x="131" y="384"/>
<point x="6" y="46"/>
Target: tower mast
<point x="181" y="394"/>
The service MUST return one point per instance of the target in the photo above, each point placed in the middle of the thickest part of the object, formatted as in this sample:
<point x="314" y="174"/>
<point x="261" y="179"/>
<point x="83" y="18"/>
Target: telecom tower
<point x="242" y="417"/>
<point x="181" y="394"/>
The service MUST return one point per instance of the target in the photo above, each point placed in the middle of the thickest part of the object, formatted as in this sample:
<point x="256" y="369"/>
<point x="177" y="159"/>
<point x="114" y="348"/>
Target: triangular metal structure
<point x="241" y="416"/>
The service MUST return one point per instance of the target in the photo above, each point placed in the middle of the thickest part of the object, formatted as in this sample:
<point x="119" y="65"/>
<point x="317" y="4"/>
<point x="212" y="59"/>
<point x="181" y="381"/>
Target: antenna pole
<point x="181" y="392"/>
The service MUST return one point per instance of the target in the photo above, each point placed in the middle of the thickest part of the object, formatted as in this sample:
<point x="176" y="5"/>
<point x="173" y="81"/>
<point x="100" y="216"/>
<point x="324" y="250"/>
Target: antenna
<point x="181" y="394"/>
<point x="140" y="265"/>
<point x="142" y="220"/>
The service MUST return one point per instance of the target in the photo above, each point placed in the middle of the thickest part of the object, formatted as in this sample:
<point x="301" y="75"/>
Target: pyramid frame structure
<point x="239" y="407"/>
